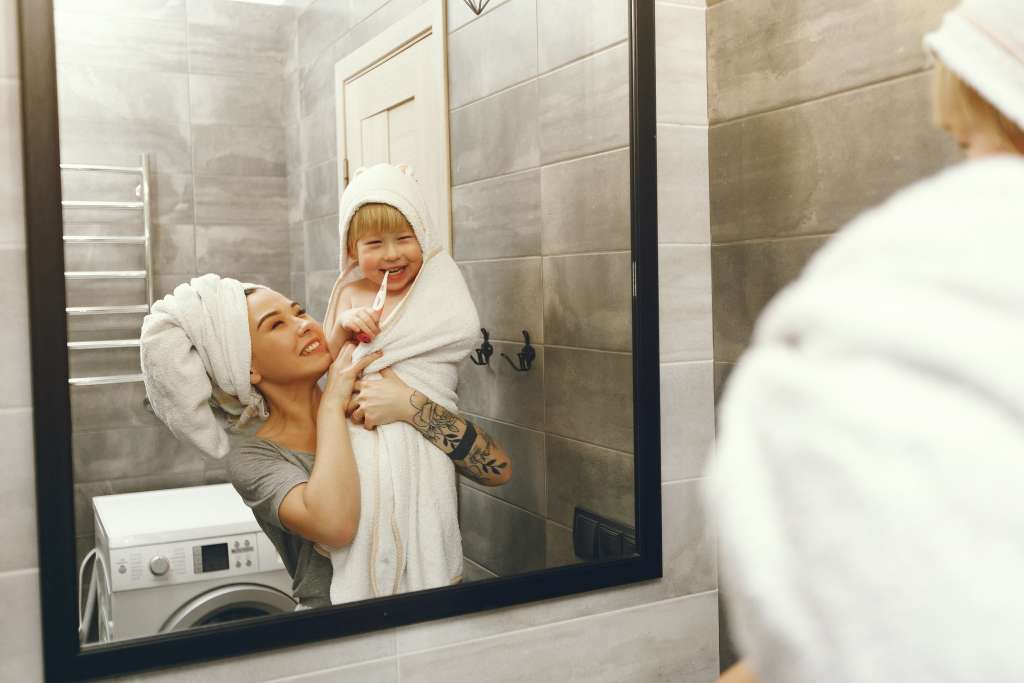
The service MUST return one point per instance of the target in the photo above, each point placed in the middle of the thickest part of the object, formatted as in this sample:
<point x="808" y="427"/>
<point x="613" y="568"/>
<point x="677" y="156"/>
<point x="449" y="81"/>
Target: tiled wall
<point x="664" y="629"/>
<point x="199" y="85"/>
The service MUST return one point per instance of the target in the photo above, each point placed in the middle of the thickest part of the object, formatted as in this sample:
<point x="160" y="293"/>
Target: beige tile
<point x="507" y="294"/>
<point x="238" y="100"/>
<point x="570" y="29"/>
<point x="588" y="395"/>
<point x="21" y="655"/>
<point x="525" y="448"/>
<point x="120" y="142"/>
<point x="674" y="640"/>
<point x="585" y="204"/>
<point x="684" y="303"/>
<point x="495" y="52"/>
<point x="14" y="337"/>
<point x="597" y="479"/>
<point x="239" y="38"/>
<point x="747" y="276"/>
<point x="588" y="301"/>
<point x="320" y="190"/>
<point x="12" y="195"/>
<point x="323" y="246"/>
<point x="584" y="108"/>
<point x="498" y="536"/>
<point x="496" y="135"/>
<point x="684" y="202"/>
<point x="109" y="94"/>
<point x="497" y="218"/>
<point x="378" y="671"/>
<point x="498" y="392"/>
<point x="763" y="55"/>
<point x="681" y="63"/>
<point x="141" y="44"/>
<point x="687" y="418"/>
<point x="239" y="150"/>
<point x="233" y="199"/>
<point x="252" y="248"/>
<point x="459" y="14"/>
<point x="559" y="546"/>
<point x="811" y="168"/>
<point x="17" y="488"/>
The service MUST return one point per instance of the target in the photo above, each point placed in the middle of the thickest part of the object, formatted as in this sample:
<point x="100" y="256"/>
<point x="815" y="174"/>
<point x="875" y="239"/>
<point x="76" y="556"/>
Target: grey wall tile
<point x="121" y="95"/>
<point x="459" y="14"/>
<point x="120" y="143"/>
<point x="125" y="42"/>
<point x="239" y="38"/>
<point x="298" y="288"/>
<point x="318" y="136"/>
<point x="585" y="204"/>
<point x="104" y="256"/>
<point x="746" y="277"/>
<point x="323" y="250"/>
<point x="103" y="362"/>
<point x="507" y="294"/>
<point x="244" y="101"/>
<point x="684" y="201"/>
<point x="164" y="284"/>
<point x="250" y="248"/>
<point x="559" y="546"/>
<point x="817" y="172"/>
<point x="122" y="326"/>
<point x="171" y="10"/>
<point x="500" y="393"/>
<point x="591" y="477"/>
<point x="588" y="395"/>
<point x="297" y="248"/>
<point x="110" y="406"/>
<point x="9" y="40"/>
<point x="588" y="301"/>
<point x="684" y="303"/>
<point x="496" y="135"/>
<point x="617" y="646"/>
<point x="279" y="281"/>
<point x="239" y="150"/>
<point x="681" y="56"/>
<point x="21" y="653"/>
<point x="525" y="448"/>
<point x="226" y="199"/>
<point x="12" y="212"/>
<point x="14" y="341"/>
<point x="105" y="292"/>
<point x="498" y="536"/>
<point x="318" y="290"/>
<point x="174" y="248"/>
<point x="17" y="487"/>
<point x="170" y="200"/>
<point x="471" y="571"/>
<point x="320" y="190"/>
<point x="690" y="548"/>
<point x="570" y="29"/>
<point x="378" y="671"/>
<point x="762" y="55"/>
<point x="85" y="524"/>
<point x="325" y="21"/>
<point x="495" y="52"/>
<point x="584" y="108"/>
<point x="497" y="218"/>
<point x="687" y="418"/>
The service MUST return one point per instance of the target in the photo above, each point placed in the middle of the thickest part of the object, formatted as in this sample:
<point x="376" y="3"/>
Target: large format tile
<point x="493" y="53"/>
<point x="590" y="477"/>
<point x="809" y="169"/>
<point x="588" y="395"/>
<point x="103" y="362"/>
<point x="559" y="550"/>
<point x="500" y="393"/>
<point x="684" y="202"/>
<point x="764" y="55"/>
<point x="459" y="14"/>
<point x="588" y="301"/>
<point x="746" y="277"/>
<point x="17" y="488"/>
<point x="497" y="218"/>
<point x="689" y="546"/>
<point x="170" y="197"/>
<point x="9" y="61"/>
<point x="377" y="671"/>
<point x="684" y="303"/>
<point x="324" y="22"/>
<point x="674" y="640"/>
<point x="319" y="284"/>
<point x="12" y="191"/>
<point x="239" y="38"/>
<point x="226" y="199"/>
<point x="585" y="204"/>
<point x="121" y="42"/>
<point x="238" y="100"/>
<point x="508" y="295"/>
<point x="110" y="406"/>
<point x="113" y="292"/>
<point x="14" y="341"/>
<point x="570" y="29"/>
<point x="320" y="190"/>
<point x="584" y="108"/>
<point x="173" y="250"/>
<point x="525" y="449"/>
<point x="681" y="56"/>
<point x="687" y="418"/>
<point x="498" y="536"/>
<point x="171" y="10"/>
<point x="318" y="137"/>
<point x="120" y="142"/>
<point x="21" y="653"/>
<point x="239" y="150"/>
<point x="322" y="243"/>
<point x="255" y="248"/>
<point x="120" y="95"/>
<point x="496" y="135"/>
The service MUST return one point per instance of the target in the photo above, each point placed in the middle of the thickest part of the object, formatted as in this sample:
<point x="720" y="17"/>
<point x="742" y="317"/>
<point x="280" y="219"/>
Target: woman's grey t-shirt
<point x="263" y="473"/>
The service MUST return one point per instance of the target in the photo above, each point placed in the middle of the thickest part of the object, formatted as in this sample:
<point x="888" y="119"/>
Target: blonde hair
<point x="375" y="218"/>
<point x="958" y="106"/>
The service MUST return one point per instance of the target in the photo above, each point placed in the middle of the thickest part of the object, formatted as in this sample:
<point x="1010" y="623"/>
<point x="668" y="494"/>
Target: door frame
<point x="427" y="19"/>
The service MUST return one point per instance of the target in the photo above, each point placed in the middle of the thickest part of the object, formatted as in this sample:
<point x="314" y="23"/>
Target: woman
<point x="869" y="468"/>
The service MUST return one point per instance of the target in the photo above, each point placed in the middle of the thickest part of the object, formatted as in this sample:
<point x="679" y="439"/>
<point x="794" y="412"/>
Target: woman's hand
<point x="342" y="377"/>
<point x="362" y="320"/>
<point x="382" y="401"/>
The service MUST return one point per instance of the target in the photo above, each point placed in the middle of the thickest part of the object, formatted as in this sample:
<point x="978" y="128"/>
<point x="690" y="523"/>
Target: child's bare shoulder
<point x="355" y="293"/>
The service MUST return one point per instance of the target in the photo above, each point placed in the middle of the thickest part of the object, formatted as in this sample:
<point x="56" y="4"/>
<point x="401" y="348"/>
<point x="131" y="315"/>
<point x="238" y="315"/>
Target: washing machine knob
<point x="159" y="565"/>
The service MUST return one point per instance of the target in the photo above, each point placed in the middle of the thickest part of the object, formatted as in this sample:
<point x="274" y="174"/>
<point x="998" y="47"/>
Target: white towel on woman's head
<point x="195" y="342"/>
<point x="868" y="482"/>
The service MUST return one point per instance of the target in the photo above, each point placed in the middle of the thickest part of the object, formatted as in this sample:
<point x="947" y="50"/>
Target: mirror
<point x="220" y="136"/>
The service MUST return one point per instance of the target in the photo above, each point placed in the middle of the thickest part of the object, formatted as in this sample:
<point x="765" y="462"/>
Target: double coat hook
<point x="525" y="356"/>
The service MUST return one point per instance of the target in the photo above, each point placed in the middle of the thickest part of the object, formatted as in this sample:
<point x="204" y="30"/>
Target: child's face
<point x="398" y="253"/>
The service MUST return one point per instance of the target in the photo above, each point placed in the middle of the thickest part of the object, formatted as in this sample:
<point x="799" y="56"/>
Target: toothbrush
<point x="378" y="304"/>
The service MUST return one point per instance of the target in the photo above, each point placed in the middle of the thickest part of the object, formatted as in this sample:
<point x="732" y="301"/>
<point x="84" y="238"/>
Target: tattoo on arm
<point x="446" y="431"/>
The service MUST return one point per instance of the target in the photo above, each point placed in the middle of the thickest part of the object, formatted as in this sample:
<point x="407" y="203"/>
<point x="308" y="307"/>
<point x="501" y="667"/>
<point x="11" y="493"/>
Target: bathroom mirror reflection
<point x="221" y="136"/>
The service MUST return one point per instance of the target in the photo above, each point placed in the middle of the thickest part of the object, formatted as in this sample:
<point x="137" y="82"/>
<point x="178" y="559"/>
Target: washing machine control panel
<point x="199" y="560"/>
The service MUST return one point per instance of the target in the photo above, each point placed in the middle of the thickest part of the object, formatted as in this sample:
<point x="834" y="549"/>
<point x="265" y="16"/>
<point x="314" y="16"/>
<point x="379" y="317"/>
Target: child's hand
<point x="361" y="321"/>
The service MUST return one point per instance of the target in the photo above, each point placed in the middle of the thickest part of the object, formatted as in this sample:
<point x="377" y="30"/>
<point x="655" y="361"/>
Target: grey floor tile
<point x="590" y="477"/>
<point x="323" y="250"/>
<point x="496" y="135"/>
<point x="588" y="301"/>
<point x="115" y="94"/>
<point x="585" y="204"/>
<point x="508" y="294"/>
<point x="238" y="100"/>
<point x="681" y="56"/>
<point x="228" y="199"/>
<point x="684" y="303"/>
<point x="251" y="248"/>
<point x="21" y="656"/>
<point x="17" y="488"/>
<point x="687" y="418"/>
<point x="588" y="395"/>
<point x="121" y="42"/>
<point x="498" y="392"/>
<point x="684" y="201"/>
<point x="497" y="218"/>
<point x="570" y="29"/>
<point x="14" y="339"/>
<point x="239" y="150"/>
<point x="525" y="448"/>
<point x="498" y="536"/>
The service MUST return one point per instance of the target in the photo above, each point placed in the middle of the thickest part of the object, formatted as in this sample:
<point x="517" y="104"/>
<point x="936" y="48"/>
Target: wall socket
<point x="598" y="538"/>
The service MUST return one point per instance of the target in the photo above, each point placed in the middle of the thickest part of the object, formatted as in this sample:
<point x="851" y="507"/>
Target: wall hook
<point x="482" y="356"/>
<point x="525" y="356"/>
<point x="477" y="6"/>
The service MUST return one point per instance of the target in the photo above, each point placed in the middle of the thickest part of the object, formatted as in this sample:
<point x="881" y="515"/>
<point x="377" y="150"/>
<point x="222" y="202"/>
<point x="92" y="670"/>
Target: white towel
<point x="868" y="483"/>
<point x="408" y="536"/>
<point x="195" y="343"/>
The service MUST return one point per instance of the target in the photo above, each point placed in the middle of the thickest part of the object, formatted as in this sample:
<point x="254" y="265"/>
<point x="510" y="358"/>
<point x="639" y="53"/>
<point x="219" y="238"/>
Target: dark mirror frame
<point x="64" y="659"/>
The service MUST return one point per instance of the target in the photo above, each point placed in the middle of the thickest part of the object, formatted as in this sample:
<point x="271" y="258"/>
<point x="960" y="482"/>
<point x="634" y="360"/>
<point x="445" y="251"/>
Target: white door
<point x="392" y="107"/>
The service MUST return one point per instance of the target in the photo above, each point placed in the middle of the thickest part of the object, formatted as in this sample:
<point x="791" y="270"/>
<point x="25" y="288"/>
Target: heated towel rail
<point x="142" y="191"/>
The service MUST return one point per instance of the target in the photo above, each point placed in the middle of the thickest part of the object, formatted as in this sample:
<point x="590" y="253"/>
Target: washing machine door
<point x="229" y="603"/>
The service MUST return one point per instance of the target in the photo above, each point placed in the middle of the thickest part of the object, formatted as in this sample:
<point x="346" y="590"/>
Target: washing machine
<point x="180" y="558"/>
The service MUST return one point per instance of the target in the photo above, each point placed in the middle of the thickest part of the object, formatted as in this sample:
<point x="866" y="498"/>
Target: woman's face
<point x="287" y="344"/>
